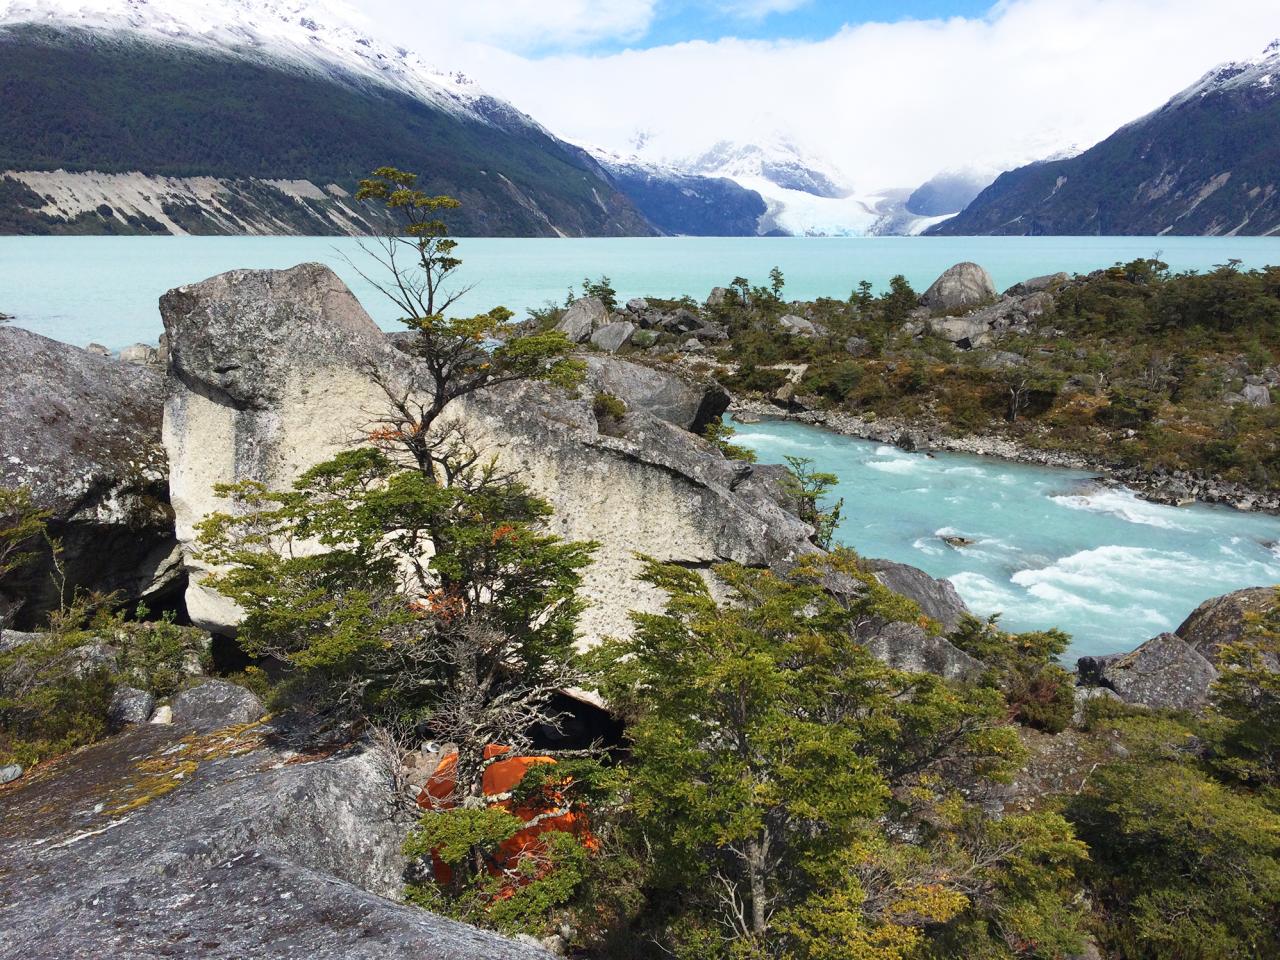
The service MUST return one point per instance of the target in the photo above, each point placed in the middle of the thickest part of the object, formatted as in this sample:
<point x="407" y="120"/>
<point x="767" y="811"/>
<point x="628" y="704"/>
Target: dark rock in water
<point x="1164" y="673"/>
<point x="83" y="432"/>
<point x="129" y="705"/>
<point x="221" y="846"/>
<point x="666" y="394"/>
<point x="10" y="773"/>
<point x="1222" y="620"/>
<point x="906" y="646"/>
<point x="937" y="598"/>
<point x="958" y="542"/>
<point x="214" y="704"/>
<point x="964" y="285"/>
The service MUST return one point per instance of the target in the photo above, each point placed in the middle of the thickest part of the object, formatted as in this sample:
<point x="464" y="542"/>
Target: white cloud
<point x="517" y="25"/>
<point x="759" y="9"/>
<point x="889" y="104"/>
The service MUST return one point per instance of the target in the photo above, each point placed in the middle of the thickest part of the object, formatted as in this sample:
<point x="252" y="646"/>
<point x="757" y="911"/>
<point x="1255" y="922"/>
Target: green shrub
<point x="602" y="290"/>
<point x="607" y="406"/>
<point x="1040" y="693"/>
<point x="721" y="436"/>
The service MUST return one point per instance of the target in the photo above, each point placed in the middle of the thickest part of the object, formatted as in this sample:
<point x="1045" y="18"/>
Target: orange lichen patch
<point x="446" y="605"/>
<point x="548" y="812"/>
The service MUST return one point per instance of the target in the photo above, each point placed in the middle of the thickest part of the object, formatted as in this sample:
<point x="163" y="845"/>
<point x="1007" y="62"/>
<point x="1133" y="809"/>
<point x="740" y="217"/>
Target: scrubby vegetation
<point x="1133" y="364"/>
<point x="1184" y="830"/>
<point x="789" y="795"/>
<point x="780" y="793"/>
<point x="56" y="686"/>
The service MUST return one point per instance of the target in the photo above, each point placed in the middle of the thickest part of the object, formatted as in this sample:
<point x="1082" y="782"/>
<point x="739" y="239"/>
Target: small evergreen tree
<point x="777" y="765"/>
<point x="810" y="487"/>
<point x="602" y="290"/>
<point x="776" y="283"/>
<point x="1245" y="728"/>
<point x="898" y="303"/>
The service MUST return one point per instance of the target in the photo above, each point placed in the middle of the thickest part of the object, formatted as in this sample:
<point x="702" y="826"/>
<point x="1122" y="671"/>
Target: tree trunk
<point x="755" y="873"/>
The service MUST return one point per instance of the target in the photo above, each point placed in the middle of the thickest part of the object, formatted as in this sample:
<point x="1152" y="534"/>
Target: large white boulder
<point x="964" y="285"/>
<point x="271" y="374"/>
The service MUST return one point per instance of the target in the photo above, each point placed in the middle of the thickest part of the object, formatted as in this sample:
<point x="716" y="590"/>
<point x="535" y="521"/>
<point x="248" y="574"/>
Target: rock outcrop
<point x="937" y="598"/>
<point x="1011" y="313"/>
<point x="907" y="646"/>
<point x="83" y="433"/>
<point x="801" y="327"/>
<point x="1177" y="670"/>
<point x="1166" y="672"/>
<point x="270" y="373"/>
<point x="668" y="395"/>
<point x="1223" y="620"/>
<point x="1048" y="282"/>
<point x="613" y="336"/>
<point x="222" y="845"/>
<point x="964" y="285"/>
<point x="214" y="704"/>
<point x="129" y="706"/>
<point x="584" y="317"/>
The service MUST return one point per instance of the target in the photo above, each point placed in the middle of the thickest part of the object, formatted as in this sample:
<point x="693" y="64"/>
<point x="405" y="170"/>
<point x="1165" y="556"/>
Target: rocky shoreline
<point x="1177" y="488"/>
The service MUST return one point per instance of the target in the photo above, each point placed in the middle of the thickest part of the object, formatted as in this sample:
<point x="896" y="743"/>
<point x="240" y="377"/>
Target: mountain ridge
<point x="1203" y="163"/>
<point x="237" y="112"/>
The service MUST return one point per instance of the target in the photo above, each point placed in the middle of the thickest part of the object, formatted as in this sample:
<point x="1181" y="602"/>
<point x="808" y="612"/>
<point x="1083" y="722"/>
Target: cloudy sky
<point x="889" y="92"/>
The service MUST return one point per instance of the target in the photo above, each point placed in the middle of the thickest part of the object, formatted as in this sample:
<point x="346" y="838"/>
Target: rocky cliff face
<point x="83" y="433"/>
<point x="221" y="844"/>
<point x="63" y="202"/>
<point x="270" y="376"/>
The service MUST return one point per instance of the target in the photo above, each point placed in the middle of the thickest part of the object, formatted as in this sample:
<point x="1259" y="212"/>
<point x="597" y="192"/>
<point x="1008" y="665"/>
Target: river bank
<point x="1178" y="488"/>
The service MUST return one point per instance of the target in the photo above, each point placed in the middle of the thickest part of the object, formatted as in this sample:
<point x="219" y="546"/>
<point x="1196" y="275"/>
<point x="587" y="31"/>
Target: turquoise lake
<point x="1050" y="548"/>
<point x="104" y="289"/>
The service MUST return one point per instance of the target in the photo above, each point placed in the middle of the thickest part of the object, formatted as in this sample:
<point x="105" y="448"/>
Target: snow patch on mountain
<point x="1261" y="72"/>
<point x="324" y="36"/>
<point x="777" y="161"/>
<point x="808" y="196"/>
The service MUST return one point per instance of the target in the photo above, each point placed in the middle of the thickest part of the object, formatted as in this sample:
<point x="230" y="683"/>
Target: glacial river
<point x="1050" y="548"/>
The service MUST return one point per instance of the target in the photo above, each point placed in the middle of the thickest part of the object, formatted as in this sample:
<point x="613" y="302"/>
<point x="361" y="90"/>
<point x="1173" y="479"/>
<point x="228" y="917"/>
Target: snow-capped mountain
<point x="321" y="35"/>
<point x="100" y="132"/>
<point x="776" y="161"/>
<point x="803" y="195"/>
<point x="1202" y="164"/>
<point x="1259" y="75"/>
<point x="680" y="202"/>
